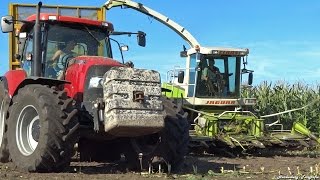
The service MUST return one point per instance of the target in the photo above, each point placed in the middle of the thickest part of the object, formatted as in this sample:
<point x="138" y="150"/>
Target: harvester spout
<point x="181" y="31"/>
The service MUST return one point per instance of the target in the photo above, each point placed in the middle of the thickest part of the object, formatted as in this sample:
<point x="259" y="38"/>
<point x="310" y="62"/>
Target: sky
<point x="283" y="36"/>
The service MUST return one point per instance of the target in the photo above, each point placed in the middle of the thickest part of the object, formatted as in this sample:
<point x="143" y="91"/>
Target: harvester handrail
<point x="181" y="31"/>
<point x="171" y="74"/>
<point x="212" y="115"/>
<point x="237" y="112"/>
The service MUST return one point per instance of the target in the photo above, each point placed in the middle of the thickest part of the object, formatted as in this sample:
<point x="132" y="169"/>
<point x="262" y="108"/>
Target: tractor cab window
<point x="27" y="55"/>
<point x="116" y="51"/>
<point x="65" y="42"/>
<point x="217" y="77"/>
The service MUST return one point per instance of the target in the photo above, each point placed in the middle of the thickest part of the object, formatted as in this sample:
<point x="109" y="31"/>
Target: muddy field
<point x="196" y="167"/>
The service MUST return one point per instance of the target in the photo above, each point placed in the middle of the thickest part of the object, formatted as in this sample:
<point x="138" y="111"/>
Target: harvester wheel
<point x="42" y="129"/>
<point x="170" y="145"/>
<point x="4" y="102"/>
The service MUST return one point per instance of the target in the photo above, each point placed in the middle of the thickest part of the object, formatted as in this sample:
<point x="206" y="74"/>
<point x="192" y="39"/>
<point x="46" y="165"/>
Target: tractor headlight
<point x="96" y="82"/>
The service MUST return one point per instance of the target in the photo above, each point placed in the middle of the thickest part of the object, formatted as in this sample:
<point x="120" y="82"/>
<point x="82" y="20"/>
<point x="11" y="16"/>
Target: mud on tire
<point x="173" y="140"/>
<point x="4" y="102"/>
<point x="42" y="129"/>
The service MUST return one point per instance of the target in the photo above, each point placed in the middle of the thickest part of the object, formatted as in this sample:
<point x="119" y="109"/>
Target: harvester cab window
<point x="232" y="81"/>
<point x="211" y="82"/>
<point x="216" y="77"/>
<point x="192" y="75"/>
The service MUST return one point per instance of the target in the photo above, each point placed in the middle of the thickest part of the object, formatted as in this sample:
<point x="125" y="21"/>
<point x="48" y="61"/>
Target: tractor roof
<point x="71" y="19"/>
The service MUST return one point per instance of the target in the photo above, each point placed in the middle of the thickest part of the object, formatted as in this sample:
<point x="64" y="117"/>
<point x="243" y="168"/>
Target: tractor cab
<point x="63" y="39"/>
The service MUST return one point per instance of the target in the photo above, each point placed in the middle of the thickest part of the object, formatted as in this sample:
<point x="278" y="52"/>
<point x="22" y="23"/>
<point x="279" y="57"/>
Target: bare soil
<point x="196" y="167"/>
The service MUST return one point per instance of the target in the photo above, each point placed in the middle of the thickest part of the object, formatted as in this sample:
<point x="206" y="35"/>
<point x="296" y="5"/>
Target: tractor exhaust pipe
<point x="37" y="67"/>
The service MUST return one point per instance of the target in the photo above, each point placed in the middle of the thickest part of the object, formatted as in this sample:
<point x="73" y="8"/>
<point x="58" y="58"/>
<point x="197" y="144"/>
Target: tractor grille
<point x="91" y="94"/>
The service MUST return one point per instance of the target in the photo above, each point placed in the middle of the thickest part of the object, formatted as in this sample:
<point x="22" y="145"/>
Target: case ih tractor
<point x="83" y="96"/>
<point x="209" y="89"/>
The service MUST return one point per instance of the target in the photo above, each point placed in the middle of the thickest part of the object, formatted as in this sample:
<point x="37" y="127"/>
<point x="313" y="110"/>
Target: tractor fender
<point x="12" y="79"/>
<point x="16" y="79"/>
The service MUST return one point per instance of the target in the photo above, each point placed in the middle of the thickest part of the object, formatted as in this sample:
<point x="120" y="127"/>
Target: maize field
<point x="282" y="96"/>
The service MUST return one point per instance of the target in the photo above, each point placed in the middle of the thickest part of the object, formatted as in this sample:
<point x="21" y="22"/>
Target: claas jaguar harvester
<point x="209" y="86"/>
<point x="111" y="110"/>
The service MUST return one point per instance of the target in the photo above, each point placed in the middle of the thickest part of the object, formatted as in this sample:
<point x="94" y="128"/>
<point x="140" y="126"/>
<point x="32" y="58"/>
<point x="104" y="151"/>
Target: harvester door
<point x="192" y="75"/>
<point x="232" y="76"/>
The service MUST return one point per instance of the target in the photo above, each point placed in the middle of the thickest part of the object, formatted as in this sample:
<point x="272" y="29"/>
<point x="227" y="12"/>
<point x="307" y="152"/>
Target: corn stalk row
<point x="282" y="96"/>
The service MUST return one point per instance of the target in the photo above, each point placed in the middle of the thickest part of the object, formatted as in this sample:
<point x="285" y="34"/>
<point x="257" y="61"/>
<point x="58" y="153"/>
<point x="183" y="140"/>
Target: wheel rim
<point x="28" y="130"/>
<point x="2" y="120"/>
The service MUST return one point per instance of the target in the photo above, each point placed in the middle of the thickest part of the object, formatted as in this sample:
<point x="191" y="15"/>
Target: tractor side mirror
<point x="250" y="78"/>
<point x="141" y="38"/>
<point x="180" y="76"/>
<point x="7" y="24"/>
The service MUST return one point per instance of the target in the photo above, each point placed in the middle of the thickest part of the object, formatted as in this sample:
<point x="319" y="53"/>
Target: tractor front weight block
<point x="133" y="105"/>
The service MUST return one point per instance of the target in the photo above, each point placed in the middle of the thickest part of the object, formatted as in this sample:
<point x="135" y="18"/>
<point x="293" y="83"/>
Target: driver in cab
<point x="212" y="77"/>
<point x="60" y="57"/>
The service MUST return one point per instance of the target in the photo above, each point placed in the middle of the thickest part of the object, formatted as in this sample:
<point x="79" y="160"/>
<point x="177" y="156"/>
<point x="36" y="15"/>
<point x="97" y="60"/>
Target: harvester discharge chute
<point x="209" y="89"/>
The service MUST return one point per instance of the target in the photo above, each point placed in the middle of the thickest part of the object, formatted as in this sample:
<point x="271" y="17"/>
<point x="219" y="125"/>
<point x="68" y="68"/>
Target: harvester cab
<point x="210" y="73"/>
<point x="65" y="86"/>
<point x="209" y="89"/>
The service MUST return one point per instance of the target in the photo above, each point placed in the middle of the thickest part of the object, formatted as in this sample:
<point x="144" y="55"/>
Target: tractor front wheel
<point x="169" y="146"/>
<point x="42" y="129"/>
<point x="4" y="102"/>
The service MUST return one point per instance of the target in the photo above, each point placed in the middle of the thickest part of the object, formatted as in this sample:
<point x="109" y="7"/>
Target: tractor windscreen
<point x="89" y="41"/>
<point x="215" y="76"/>
<point x="65" y="42"/>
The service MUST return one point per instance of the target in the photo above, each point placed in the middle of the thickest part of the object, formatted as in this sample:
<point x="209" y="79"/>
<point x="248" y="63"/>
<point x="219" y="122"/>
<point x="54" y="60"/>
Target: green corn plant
<point x="282" y="96"/>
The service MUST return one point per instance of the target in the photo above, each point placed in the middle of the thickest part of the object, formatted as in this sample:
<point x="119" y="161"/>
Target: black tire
<point x="47" y="128"/>
<point x="4" y="103"/>
<point x="174" y="139"/>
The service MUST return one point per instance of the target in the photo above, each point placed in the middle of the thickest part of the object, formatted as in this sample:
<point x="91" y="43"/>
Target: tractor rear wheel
<point x="42" y="129"/>
<point x="169" y="146"/>
<point x="4" y="101"/>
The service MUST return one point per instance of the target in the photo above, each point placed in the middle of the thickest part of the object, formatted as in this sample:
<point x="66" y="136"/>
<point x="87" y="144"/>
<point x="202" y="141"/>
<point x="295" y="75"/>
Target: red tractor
<point x="70" y="90"/>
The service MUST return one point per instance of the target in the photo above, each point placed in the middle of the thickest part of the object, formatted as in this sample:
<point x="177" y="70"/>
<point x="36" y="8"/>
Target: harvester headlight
<point x="215" y="52"/>
<point x="95" y="82"/>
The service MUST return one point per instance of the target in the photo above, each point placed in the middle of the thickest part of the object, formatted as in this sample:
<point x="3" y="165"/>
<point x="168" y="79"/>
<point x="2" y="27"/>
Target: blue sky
<point x="283" y="36"/>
